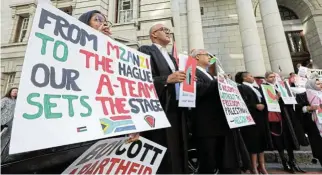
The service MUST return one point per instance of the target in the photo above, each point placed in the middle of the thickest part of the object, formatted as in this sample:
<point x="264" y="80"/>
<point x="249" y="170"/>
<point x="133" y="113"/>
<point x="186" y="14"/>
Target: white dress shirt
<point x="165" y="54"/>
<point x="205" y="72"/>
<point x="258" y="94"/>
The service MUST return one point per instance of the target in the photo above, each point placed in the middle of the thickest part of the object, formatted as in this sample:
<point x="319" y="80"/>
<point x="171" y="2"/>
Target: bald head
<point x="160" y="34"/>
<point x="154" y="28"/>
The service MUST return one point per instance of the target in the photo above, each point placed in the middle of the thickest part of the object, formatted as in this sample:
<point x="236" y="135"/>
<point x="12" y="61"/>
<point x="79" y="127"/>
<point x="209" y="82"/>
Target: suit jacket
<point x="173" y="138"/>
<point x="260" y="117"/>
<point x="208" y="117"/>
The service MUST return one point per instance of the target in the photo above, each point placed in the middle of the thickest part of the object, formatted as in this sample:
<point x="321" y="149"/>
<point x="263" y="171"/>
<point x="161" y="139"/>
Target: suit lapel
<point x="203" y="76"/>
<point x="160" y="60"/>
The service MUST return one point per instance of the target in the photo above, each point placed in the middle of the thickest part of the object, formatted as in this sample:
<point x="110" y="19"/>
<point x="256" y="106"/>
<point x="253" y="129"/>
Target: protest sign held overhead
<point x="236" y="111"/>
<point x="79" y="85"/>
<point x="187" y="93"/>
<point x="115" y="156"/>
<point x="302" y="71"/>
<point x="271" y="98"/>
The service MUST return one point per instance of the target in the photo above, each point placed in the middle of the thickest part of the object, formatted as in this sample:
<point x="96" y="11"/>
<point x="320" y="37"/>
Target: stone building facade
<point x="253" y="35"/>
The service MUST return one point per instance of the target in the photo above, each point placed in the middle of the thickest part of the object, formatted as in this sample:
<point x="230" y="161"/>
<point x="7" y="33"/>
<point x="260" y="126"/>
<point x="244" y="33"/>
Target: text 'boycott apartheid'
<point x="115" y="156"/>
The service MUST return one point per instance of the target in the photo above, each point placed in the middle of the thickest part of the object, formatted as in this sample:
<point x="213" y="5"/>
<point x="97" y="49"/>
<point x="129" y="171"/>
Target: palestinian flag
<point x="82" y="129"/>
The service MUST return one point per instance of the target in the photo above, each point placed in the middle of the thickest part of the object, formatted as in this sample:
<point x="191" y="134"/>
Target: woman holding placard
<point x="282" y="131"/>
<point x="257" y="137"/>
<point x="98" y="21"/>
<point x="308" y="109"/>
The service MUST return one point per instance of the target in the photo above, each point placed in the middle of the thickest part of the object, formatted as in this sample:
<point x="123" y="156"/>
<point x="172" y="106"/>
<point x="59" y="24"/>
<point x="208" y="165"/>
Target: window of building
<point x="201" y="11"/>
<point x="68" y="10"/>
<point x="296" y="43"/>
<point x="287" y="14"/>
<point x="124" y="11"/>
<point x="22" y="27"/>
<point x="9" y="79"/>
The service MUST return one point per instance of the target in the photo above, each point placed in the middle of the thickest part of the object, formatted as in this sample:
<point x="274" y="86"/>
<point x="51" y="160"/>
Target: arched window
<point x="287" y="14"/>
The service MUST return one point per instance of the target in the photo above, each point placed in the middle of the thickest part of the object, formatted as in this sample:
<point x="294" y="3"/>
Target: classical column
<point x="195" y="34"/>
<point x="253" y="54"/>
<point x="177" y="24"/>
<point x="111" y="11"/>
<point x="277" y="47"/>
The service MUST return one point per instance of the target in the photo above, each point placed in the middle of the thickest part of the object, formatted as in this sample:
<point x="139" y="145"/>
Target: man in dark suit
<point x="165" y="75"/>
<point x="218" y="146"/>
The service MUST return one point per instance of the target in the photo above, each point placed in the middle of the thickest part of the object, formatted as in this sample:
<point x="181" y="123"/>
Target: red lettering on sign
<point x="101" y="166"/>
<point x="133" y="168"/>
<point x="104" y="62"/>
<point x="113" y="161"/>
<point x="127" y="84"/>
<point x="104" y="81"/>
<point x="74" y="171"/>
<point x="117" y="104"/>
<point x="122" y="168"/>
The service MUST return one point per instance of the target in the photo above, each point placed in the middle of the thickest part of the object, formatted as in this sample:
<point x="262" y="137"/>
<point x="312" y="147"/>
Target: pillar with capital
<point x="278" y="51"/>
<point x="195" y="33"/>
<point x="253" y="54"/>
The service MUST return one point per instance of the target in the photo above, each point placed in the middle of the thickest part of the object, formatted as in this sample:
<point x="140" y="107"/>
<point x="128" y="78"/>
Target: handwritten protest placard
<point x="284" y="88"/>
<point x="115" y="156"/>
<point x="315" y="98"/>
<point x="235" y="109"/>
<point x="300" y="81"/>
<point x="271" y="98"/>
<point x="302" y="71"/>
<point x="79" y="85"/>
<point x="187" y="93"/>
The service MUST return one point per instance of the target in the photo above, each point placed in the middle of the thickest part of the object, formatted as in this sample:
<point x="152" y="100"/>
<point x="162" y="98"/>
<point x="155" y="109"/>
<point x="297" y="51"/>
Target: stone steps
<point x="301" y="156"/>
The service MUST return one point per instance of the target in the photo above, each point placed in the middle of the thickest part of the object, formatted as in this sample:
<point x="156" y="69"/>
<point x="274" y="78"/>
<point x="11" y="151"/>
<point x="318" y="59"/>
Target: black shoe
<point x="287" y="167"/>
<point x="296" y="167"/>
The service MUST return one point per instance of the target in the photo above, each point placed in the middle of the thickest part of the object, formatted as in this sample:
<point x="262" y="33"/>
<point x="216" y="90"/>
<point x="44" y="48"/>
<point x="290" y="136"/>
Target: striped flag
<point x="175" y="53"/>
<point x="82" y="129"/>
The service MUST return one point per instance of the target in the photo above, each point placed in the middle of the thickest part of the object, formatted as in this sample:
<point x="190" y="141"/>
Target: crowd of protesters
<point x="219" y="148"/>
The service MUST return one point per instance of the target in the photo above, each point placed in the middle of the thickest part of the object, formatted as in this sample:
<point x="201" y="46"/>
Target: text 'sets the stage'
<point x="79" y="85"/>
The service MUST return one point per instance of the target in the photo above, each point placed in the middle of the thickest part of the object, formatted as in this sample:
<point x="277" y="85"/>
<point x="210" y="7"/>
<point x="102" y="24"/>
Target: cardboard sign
<point x="115" y="156"/>
<point x="271" y="98"/>
<point x="285" y="90"/>
<point x="235" y="109"/>
<point x="302" y="71"/>
<point x="78" y="85"/>
<point x="315" y="98"/>
<point x="300" y="81"/>
<point x="187" y="93"/>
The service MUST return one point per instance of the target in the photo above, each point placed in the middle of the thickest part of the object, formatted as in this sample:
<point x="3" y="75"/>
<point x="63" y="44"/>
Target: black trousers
<point x="211" y="154"/>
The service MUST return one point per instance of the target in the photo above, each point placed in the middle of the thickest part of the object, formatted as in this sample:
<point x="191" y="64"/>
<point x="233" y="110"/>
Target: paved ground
<point x="275" y="168"/>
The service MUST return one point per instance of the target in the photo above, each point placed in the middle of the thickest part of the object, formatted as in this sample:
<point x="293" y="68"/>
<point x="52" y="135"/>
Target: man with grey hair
<point x="165" y="75"/>
<point x="215" y="141"/>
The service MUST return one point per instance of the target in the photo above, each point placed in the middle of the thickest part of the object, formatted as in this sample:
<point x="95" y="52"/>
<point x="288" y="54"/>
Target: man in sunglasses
<point x="166" y="75"/>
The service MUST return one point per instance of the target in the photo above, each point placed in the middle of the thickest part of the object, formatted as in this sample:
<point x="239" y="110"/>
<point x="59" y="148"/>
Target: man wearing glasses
<point x="166" y="75"/>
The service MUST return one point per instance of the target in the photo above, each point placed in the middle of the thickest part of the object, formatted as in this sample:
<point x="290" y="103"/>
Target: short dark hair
<point x="8" y="94"/>
<point x="291" y="73"/>
<point x="239" y="77"/>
